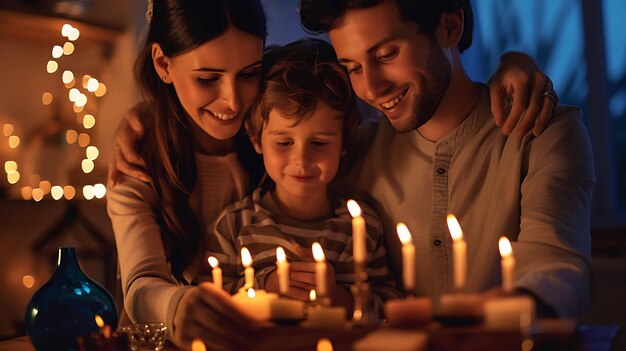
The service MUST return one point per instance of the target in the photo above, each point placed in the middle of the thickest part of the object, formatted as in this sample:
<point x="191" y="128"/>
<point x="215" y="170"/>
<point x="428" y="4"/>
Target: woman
<point x="198" y="72"/>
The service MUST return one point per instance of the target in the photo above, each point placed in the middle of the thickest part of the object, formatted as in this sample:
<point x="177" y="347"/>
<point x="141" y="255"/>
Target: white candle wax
<point x="246" y="260"/>
<point x="282" y="269"/>
<point x="507" y="264"/>
<point x="321" y="286"/>
<point x="325" y="317"/>
<point x="408" y="257"/>
<point x="358" y="232"/>
<point x="459" y="252"/>
<point x="216" y="272"/>
<point x="505" y="313"/>
<point x="255" y="303"/>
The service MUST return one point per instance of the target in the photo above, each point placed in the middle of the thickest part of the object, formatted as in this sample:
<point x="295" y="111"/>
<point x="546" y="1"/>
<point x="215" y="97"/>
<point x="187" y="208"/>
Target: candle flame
<point x="213" y="262"/>
<point x="505" y="247"/>
<point x="99" y="321"/>
<point x="354" y="208"/>
<point x="251" y="293"/>
<point x="197" y="345"/>
<point x="280" y="255"/>
<point x="312" y="295"/>
<point x="318" y="253"/>
<point x="403" y="233"/>
<point x="324" y="344"/>
<point x="454" y="227"/>
<point x="246" y="258"/>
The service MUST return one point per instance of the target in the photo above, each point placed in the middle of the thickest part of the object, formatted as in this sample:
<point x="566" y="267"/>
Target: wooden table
<point x="585" y="337"/>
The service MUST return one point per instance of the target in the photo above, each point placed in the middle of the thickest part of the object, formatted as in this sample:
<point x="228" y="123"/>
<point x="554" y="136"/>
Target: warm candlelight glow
<point x="454" y="227"/>
<point x="71" y="136"/>
<point x="8" y="129"/>
<point x="67" y="77"/>
<point x="89" y="121"/>
<point x="87" y="165"/>
<point x="14" y="141"/>
<point x="57" y="192"/>
<point x="92" y="152"/>
<point x="83" y="139"/>
<point x="92" y="85"/>
<point x="13" y="177"/>
<point x="318" y="252"/>
<point x="57" y="51"/>
<point x="403" y="233"/>
<point x="37" y="194"/>
<point x="73" y="94"/>
<point x="45" y="186"/>
<point x="324" y="344"/>
<point x="280" y="254"/>
<point x="69" y="192"/>
<point x="312" y="295"/>
<point x="246" y="259"/>
<point x="354" y="208"/>
<point x="28" y="281"/>
<point x="251" y="293"/>
<point x="68" y="48"/>
<point x="46" y="98"/>
<point x="88" y="192"/>
<point x="10" y="166"/>
<point x="73" y="34"/>
<point x="99" y="321"/>
<point x="197" y="345"/>
<point x="102" y="89"/>
<point x="65" y="30"/>
<point x="99" y="190"/>
<point x="27" y="192"/>
<point x="213" y="262"/>
<point x="52" y="66"/>
<point x="505" y="247"/>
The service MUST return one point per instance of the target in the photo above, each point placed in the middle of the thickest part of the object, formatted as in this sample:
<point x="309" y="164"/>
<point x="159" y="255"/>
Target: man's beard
<point x="431" y="92"/>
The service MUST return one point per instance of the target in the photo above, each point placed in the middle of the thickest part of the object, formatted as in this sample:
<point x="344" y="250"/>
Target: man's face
<point x="393" y="66"/>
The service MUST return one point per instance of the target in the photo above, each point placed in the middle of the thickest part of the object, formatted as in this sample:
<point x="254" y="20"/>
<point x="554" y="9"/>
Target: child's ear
<point x="161" y="63"/>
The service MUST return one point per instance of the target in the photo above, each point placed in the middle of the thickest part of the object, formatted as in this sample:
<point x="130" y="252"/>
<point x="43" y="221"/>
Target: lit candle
<point x="217" y="271"/>
<point x="358" y="232"/>
<point x="246" y="260"/>
<point x="408" y="257"/>
<point x="508" y="264"/>
<point x="197" y="345"/>
<point x="320" y="269"/>
<point x="282" y="267"/>
<point x="459" y="248"/>
<point x="312" y="295"/>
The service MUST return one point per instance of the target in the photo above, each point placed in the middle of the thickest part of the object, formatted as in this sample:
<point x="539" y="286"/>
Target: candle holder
<point x="360" y="290"/>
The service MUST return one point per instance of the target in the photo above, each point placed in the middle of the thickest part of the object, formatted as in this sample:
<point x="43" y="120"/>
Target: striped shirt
<point x="257" y="223"/>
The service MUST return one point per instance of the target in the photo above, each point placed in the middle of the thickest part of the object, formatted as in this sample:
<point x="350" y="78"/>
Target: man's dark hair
<point x="320" y="16"/>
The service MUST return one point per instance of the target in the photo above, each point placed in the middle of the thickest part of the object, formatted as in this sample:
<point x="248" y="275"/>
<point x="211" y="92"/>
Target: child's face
<point x="304" y="158"/>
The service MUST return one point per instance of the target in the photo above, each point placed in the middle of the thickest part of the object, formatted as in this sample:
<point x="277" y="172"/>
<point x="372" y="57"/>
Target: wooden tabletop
<point x="586" y="337"/>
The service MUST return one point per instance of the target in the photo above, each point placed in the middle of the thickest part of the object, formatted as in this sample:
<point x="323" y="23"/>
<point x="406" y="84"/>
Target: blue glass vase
<point x="66" y="306"/>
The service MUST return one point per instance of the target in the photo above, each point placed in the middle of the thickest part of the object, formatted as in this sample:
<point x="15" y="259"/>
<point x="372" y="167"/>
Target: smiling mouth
<point x="394" y="101"/>
<point x="302" y="179"/>
<point x="223" y="116"/>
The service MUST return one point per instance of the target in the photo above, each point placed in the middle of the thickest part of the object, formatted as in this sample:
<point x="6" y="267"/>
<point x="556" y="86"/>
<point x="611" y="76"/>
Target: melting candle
<point x="282" y="267"/>
<point x="217" y="271"/>
<point x="507" y="263"/>
<point x="320" y="269"/>
<point x="408" y="257"/>
<point x="246" y="260"/>
<point x="358" y="232"/>
<point x="459" y="252"/>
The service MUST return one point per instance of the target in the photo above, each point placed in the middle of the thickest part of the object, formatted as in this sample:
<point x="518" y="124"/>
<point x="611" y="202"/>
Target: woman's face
<point x="218" y="81"/>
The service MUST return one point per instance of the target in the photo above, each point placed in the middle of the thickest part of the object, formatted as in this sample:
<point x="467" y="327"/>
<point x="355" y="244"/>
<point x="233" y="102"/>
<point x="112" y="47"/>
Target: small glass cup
<point x="146" y="336"/>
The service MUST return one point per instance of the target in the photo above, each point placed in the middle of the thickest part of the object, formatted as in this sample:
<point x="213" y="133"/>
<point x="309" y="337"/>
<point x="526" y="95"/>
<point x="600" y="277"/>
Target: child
<point x="301" y="125"/>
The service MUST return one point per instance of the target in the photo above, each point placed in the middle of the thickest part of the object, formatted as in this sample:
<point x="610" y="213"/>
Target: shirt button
<point x="441" y="170"/>
<point x="437" y="242"/>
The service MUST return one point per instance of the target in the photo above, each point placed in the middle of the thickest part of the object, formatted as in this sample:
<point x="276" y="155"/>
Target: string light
<point x="39" y="188"/>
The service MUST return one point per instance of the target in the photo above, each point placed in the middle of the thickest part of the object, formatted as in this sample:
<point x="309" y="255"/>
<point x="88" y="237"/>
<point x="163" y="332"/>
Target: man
<point x="439" y="151"/>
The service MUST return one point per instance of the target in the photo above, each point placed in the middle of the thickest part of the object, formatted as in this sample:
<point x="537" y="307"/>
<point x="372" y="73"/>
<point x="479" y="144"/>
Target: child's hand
<point x="302" y="279"/>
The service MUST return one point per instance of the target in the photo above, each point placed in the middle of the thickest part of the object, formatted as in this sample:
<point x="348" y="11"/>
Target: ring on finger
<point x="549" y="94"/>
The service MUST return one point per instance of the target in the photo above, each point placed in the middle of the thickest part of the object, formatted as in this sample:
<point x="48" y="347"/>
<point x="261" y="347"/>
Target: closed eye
<point x="207" y="81"/>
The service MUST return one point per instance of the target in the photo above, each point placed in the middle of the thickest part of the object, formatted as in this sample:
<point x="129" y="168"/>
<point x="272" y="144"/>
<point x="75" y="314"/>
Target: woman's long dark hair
<point x="180" y="26"/>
